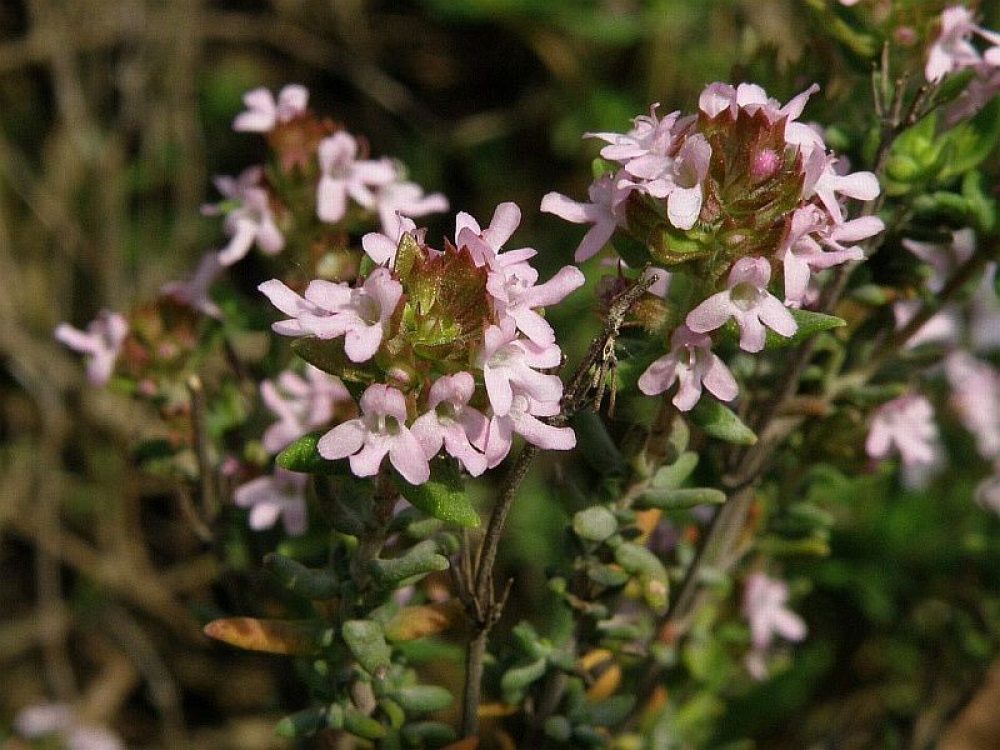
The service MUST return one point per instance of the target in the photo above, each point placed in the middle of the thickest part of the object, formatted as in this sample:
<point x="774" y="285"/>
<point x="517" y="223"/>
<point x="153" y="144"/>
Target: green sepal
<point x="442" y="496"/>
<point x="721" y="422"/>
<point x="366" y="641"/>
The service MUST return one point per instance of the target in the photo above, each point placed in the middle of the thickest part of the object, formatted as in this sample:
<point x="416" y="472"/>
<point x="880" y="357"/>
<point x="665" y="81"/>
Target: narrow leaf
<point x="721" y="422"/>
<point x="367" y="643"/>
<point x="676" y="499"/>
<point x="443" y="496"/>
<point x="271" y="636"/>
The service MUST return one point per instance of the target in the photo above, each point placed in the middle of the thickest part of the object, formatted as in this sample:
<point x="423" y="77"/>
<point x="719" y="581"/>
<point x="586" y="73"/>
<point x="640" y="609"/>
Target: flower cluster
<point x="953" y="51"/>
<point x="765" y="608"/>
<point x="450" y="345"/>
<point x="313" y="156"/>
<point x="740" y="191"/>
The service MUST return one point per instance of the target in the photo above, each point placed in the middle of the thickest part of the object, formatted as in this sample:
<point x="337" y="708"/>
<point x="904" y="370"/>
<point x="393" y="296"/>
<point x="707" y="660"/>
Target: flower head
<point x="765" y="608"/>
<point x="380" y="430"/>
<point x="523" y="418"/>
<point x="516" y="295"/>
<point x="510" y="362"/>
<point x="604" y="211"/>
<point x="101" y="342"/>
<point x="405" y="199"/>
<point x="485" y="245"/>
<point x="953" y="49"/>
<point x="748" y="302"/>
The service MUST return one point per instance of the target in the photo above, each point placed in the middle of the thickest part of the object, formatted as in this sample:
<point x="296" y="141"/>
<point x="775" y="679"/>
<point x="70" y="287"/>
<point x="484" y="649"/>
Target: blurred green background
<point x="114" y="114"/>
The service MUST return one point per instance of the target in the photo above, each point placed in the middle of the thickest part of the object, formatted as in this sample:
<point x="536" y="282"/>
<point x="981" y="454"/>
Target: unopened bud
<point x="765" y="163"/>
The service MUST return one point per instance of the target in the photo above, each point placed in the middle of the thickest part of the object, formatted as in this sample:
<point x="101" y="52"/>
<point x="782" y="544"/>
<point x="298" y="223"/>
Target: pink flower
<point x="382" y="248"/>
<point x="975" y="387"/>
<point x="515" y="295"/>
<point x="944" y="258"/>
<point x="678" y="179"/>
<point x="803" y="254"/>
<point x="647" y="145"/>
<point x="764" y="607"/>
<point x="823" y="181"/>
<point x="603" y="211"/>
<point x="690" y="363"/>
<point x="263" y="113"/>
<point x="398" y="199"/>
<point x="249" y="217"/>
<point x="719" y="97"/>
<point x="904" y="425"/>
<point x="953" y="49"/>
<point x="522" y="418"/>
<point x="301" y="404"/>
<point x="509" y="362"/>
<point x="46" y="719"/>
<point x="194" y="293"/>
<point x="748" y="302"/>
<point x="329" y="310"/>
<point x="484" y="245"/>
<point x="380" y="430"/>
<point x="451" y="422"/>
<point x="943" y="328"/>
<point x="343" y="176"/>
<point x="279" y="495"/>
<point x="101" y="342"/>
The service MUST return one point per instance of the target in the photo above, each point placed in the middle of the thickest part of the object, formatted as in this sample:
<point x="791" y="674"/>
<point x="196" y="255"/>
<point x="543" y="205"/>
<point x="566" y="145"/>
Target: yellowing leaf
<point x="291" y="637"/>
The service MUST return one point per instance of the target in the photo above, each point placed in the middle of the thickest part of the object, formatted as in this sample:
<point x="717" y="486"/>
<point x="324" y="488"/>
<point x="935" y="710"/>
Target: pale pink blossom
<point x="824" y="182"/>
<point x="100" y="343"/>
<point x="451" y="422"/>
<point x="485" y="245"/>
<point x="382" y="247"/>
<point x="279" y="495"/>
<point x="264" y="113"/>
<point x="651" y="139"/>
<point x="979" y="92"/>
<point x="380" y="430"/>
<point x="194" y="292"/>
<point x="765" y="607"/>
<point x="405" y="199"/>
<point x="509" y="362"/>
<point x="249" y="217"/>
<point x="905" y="426"/>
<point x="48" y="719"/>
<point x="516" y="295"/>
<point x="748" y="302"/>
<point x="605" y="212"/>
<point x="944" y="257"/>
<point x="342" y="175"/>
<point x="720" y="97"/>
<point x="944" y="327"/>
<point x="691" y="364"/>
<point x="523" y="418"/>
<point x="329" y="310"/>
<point x="953" y="49"/>
<point x="803" y="253"/>
<point x="678" y="179"/>
<point x="975" y="396"/>
<point x="302" y="404"/>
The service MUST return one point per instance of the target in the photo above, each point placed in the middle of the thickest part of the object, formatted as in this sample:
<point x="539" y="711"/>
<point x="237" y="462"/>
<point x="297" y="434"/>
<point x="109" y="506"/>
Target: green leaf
<point x="676" y="499"/>
<point x="442" y="496"/>
<point x="673" y="476"/>
<point x="428" y="733"/>
<point x="420" y="559"/>
<point x="423" y="698"/>
<point x="809" y="324"/>
<point x="297" y="578"/>
<point x="363" y="726"/>
<point x="611" y="711"/>
<point x="303" y="456"/>
<point x="516" y="680"/>
<point x="721" y="422"/>
<point x="597" y="446"/>
<point x="302" y="723"/>
<point x="347" y="501"/>
<point x="653" y="579"/>
<point x="366" y="640"/>
<point x="329" y="356"/>
<point x="558" y="728"/>
<point x="595" y="524"/>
